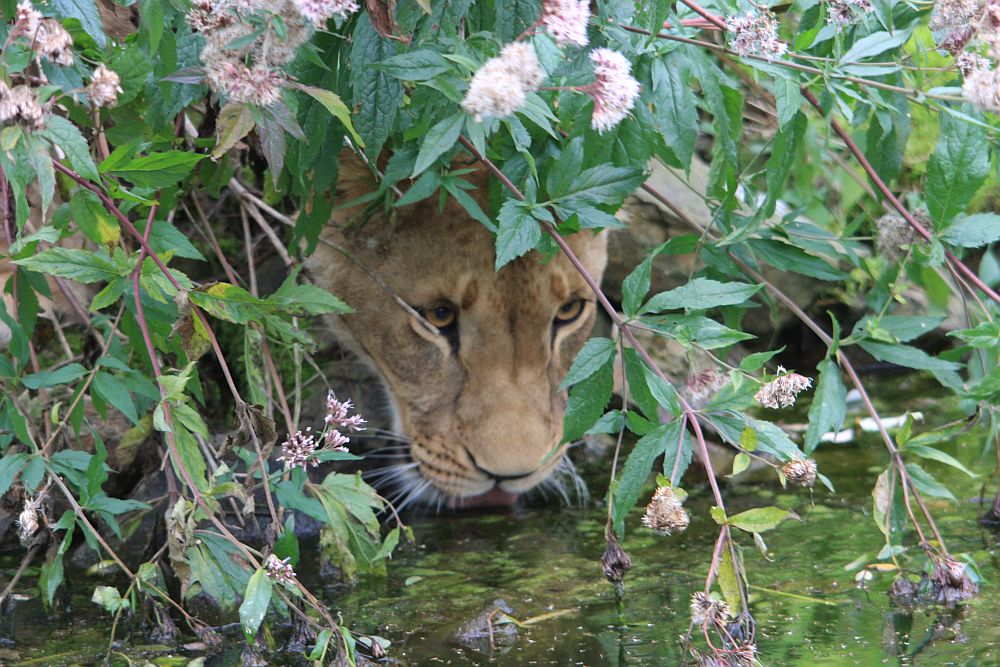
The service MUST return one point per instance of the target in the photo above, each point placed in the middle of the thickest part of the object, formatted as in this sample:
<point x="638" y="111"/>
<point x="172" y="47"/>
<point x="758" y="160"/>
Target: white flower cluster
<point x="614" y="90"/>
<point x="755" y="33"/>
<point x="500" y="86"/>
<point x="243" y="55"/>
<point x="566" y="20"/>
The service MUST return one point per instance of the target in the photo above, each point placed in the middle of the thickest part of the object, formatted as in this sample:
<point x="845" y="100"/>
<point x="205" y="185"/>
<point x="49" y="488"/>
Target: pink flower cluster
<point x="319" y="11"/>
<point x="614" y="91"/>
<point x="755" y="33"/>
<point x="336" y="419"/>
<point x="566" y="20"/>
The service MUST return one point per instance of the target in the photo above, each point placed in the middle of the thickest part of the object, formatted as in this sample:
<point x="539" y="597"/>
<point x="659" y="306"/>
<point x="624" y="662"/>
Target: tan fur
<point x="495" y="404"/>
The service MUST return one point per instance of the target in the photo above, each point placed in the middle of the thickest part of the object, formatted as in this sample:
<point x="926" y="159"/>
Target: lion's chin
<point x="495" y="497"/>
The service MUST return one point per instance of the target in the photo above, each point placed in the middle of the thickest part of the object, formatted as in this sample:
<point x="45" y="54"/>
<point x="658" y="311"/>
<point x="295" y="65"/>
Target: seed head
<point x="299" y="450"/>
<point x="955" y="40"/>
<point x="26" y="19"/>
<point x="319" y="11"/>
<point x="27" y="521"/>
<point x="258" y="85"/>
<point x="843" y="12"/>
<point x="755" y="32"/>
<point x="615" y="561"/>
<point x="501" y="85"/>
<point x="982" y="88"/>
<point x="614" y="90"/>
<point x="20" y="105"/>
<point x="800" y="472"/>
<point x="664" y="513"/>
<point x="951" y="583"/>
<point x="53" y="42"/>
<point x="703" y="385"/>
<point x="968" y="62"/>
<point x="104" y="87"/>
<point x="894" y="237"/>
<point x="280" y="570"/>
<point x="566" y="20"/>
<point x="706" y="609"/>
<point x="782" y="390"/>
<point x="953" y="13"/>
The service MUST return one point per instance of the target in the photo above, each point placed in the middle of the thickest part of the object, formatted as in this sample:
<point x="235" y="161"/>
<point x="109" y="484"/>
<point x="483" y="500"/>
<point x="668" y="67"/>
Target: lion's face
<point x="480" y="399"/>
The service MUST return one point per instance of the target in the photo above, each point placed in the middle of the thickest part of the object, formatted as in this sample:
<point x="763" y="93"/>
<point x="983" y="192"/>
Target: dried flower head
<point x="501" y="85"/>
<point x="706" y="609"/>
<point x="280" y="570"/>
<point x="566" y="20"/>
<point x="664" y="513"/>
<point x="950" y="582"/>
<point x="257" y="85"/>
<point x="704" y="384"/>
<point x="104" y="87"/>
<point x="26" y="19"/>
<point x="207" y="17"/>
<point x="27" y="521"/>
<point x="319" y="11"/>
<point x="53" y="42"/>
<point x="755" y="32"/>
<point x="894" y="235"/>
<point x="800" y="472"/>
<point x="20" y="105"/>
<point x="843" y="12"/>
<point x="615" y="561"/>
<point x="299" y="450"/>
<point x="782" y="390"/>
<point x="982" y="88"/>
<point x="968" y="62"/>
<point x="614" y="90"/>
<point x="953" y="13"/>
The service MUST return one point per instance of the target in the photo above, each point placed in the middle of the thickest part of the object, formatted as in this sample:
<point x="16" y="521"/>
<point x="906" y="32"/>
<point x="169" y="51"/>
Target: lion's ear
<point x="355" y="178"/>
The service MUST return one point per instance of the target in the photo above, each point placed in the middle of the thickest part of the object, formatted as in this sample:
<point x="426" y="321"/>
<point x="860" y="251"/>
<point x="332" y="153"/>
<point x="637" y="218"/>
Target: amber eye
<point x="442" y="316"/>
<point x="569" y="311"/>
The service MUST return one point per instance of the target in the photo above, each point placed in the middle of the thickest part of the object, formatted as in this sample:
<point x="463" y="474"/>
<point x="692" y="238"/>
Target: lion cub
<point x="479" y="400"/>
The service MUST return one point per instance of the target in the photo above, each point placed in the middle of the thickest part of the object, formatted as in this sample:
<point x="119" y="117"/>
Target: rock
<point x="491" y="629"/>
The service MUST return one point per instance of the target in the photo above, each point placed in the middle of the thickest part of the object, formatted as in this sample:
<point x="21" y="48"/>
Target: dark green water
<point x="546" y="561"/>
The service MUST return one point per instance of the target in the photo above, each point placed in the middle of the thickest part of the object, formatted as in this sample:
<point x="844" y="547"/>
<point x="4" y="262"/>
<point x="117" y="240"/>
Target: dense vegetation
<point x="852" y="143"/>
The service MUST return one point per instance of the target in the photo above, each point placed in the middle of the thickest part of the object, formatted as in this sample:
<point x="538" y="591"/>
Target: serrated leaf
<point x="87" y="13"/>
<point x="440" y="138"/>
<point x="636" y="286"/>
<point x="83" y="266"/>
<point x="230" y="302"/>
<point x="46" y="379"/>
<point x="587" y="400"/>
<point x="256" y="600"/>
<point x="94" y="219"/>
<point x="906" y="355"/>
<point x="235" y="121"/>
<point x="927" y="484"/>
<point x="874" y="44"/>
<point x="761" y="519"/>
<point x="415" y="65"/>
<point x="113" y="391"/>
<point x="973" y="231"/>
<point x="517" y="232"/>
<point x="159" y="169"/>
<point x="663" y="392"/>
<point x="64" y="134"/>
<point x="701" y="294"/>
<point x="676" y="108"/>
<point x="377" y="96"/>
<point x="594" y="354"/>
<point x="305" y="299"/>
<point x="956" y="169"/>
<point x="829" y="405"/>
<point x="603" y="184"/>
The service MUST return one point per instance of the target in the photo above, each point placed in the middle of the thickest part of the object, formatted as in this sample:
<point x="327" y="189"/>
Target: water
<point x="544" y="562"/>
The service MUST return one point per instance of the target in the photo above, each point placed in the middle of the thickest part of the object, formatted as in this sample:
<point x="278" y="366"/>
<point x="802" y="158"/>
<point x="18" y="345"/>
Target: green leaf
<point x="230" y="303"/>
<point x="45" y="379"/>
<point x="973" y="231"/>
<point x="83" y="266"/>
<point x="788" y="99"/>
<point x="728" y="582"/>
<point x="937" y="455"/>
<point x="587" y="400"/>
<point x="416" y="65"/>
<point x="109" y="598"/>
<point x="51" y="576"/>
<point x="603" y="184"/>
<point x="636" y="286"/>
<point x="663" y="392"/>
<point x="779" y="164"/>
<point x="256" y="600"/>
<point x="983" y="336"/>
<point x="956" y="169"/>
<point x="159" y="169"/>
<point x="700" y="294"/>
<point x="112" y="391"/>
<point x="87" y="13"/>
<point x="94" y="219"/>
<point x="10" y="466"/>
<point x="908" y="356"/>
<point x="927" y="484"/>
<point x="305" y="299"/>
<point x="740" y="463"/>
<point x="377" y="96"/>
<point x="829" y="404"/>
<point x="874" y="44"/>
<point x="517" y="232"/>
<point x="331" y="102"/>
<point x="66" y="136"/>
<point x="595" y="353"/>
<point x="676" y="109"/>
<point x="637" y="468"/>
<point x="761" y="519"/>
<point x="440" y="138"/>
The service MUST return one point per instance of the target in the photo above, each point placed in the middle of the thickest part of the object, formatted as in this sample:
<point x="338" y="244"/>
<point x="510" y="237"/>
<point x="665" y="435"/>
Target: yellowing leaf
<point x="235" y="122"/>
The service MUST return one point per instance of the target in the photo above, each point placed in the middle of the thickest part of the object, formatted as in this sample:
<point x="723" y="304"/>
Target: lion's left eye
<point x="569" y="311"/>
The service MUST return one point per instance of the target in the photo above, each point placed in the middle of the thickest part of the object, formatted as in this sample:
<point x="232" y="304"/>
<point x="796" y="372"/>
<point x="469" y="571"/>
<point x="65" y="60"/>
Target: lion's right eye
<point x="442" y="316"/>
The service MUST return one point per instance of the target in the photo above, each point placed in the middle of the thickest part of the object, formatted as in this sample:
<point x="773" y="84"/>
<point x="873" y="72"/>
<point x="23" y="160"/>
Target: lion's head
<point x="479" y="400"/>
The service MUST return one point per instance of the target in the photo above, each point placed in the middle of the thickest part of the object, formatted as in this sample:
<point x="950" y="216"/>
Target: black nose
<point x="492" y="475"/>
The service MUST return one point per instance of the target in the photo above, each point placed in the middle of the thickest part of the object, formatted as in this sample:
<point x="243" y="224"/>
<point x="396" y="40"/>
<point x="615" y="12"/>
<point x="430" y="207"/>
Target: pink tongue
<point x="495" y="497"/>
